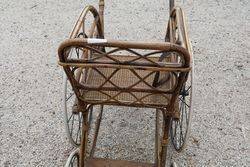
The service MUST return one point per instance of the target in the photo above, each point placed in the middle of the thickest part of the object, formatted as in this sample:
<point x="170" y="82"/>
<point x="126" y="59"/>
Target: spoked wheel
<point x="179" y="130"/>
<point x="73" y="159"/>
<point x="73" y="121"/>
<point x="88" y="26"/>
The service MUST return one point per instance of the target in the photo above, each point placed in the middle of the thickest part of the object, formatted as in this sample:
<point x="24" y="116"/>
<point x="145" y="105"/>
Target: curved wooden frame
<point x="178" y="15"/>
<point x="81" y="19"/>
<point x="155" y="66"/>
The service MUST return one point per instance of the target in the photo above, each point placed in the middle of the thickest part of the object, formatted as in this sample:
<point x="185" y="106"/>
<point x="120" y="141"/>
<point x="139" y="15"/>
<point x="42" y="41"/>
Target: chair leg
<point x="165" y="140"/>
<point x="84" y="138"/>
<point x="157" y="139"/>
<point x="161" y="138"/>
<point x="97" y="127"/>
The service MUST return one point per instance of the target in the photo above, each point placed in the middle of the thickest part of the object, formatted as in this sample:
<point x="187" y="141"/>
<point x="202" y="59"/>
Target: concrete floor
<point x="31" y="119"/>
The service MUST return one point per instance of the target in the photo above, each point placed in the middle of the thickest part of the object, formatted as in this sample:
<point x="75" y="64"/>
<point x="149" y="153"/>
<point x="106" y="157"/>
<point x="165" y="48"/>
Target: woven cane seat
<point x="123" y="83"/>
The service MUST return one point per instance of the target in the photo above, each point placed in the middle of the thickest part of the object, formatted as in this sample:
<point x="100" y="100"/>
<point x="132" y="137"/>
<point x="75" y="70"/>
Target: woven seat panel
<point x="123" y="79"/>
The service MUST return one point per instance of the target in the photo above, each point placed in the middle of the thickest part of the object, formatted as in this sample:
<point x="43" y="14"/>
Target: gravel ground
<point x="31" y="120"/>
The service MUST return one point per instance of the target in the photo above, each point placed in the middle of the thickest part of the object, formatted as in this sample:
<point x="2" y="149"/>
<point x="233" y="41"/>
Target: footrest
<point x="100" y="162"/>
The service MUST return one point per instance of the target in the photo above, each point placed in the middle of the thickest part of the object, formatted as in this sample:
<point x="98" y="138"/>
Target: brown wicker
<point x="106" y="72"/>
<point x="137" y="74"/>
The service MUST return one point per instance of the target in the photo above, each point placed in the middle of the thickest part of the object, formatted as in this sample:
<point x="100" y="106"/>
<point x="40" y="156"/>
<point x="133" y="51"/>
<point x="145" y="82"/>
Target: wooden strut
<point x="161" y="142"/>
<point x="165" y="139"/>
<point x="157" y="141"/>
<point x="85" y="128"/>
<point x="97" y="127"/>
<point x="101" y="13"/>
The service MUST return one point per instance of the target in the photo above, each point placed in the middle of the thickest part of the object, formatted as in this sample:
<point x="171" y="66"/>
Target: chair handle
<point x="101" y="13"/>
<point x="171" y="5"/>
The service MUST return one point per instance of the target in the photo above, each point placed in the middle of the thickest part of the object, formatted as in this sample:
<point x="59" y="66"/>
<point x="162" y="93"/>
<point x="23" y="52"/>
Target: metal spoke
<point x="186" y="114"/>
<point x="188" y="89"/>
<point x="69" y="96"/>
<point x="72" y="125"/>
<point x="184" y="102"/>
<point x="70" y="117"/>
<point x="79" y="127"/>
<point x="181" y="119"/>
<point x="176" y="124"/>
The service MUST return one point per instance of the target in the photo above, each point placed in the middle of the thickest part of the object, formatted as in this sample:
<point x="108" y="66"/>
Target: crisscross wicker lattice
<point x="147" y="79"/>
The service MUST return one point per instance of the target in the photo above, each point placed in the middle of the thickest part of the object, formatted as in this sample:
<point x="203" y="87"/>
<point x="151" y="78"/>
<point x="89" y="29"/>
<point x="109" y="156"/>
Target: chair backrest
<point x="149" y="63"/>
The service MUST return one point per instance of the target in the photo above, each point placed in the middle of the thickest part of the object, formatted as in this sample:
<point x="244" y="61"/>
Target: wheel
<point x="179" y="129"/>
<point x="73" y="159"/>
<point x="88" y="26"/>
<point x="72" y="120"/>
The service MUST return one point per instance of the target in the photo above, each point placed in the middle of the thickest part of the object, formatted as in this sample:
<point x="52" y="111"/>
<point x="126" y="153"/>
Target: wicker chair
<point x="124" y="73"/>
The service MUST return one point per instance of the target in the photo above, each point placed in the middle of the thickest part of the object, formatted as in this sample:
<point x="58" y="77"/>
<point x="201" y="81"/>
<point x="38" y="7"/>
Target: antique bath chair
<point x="102" y="72"/>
